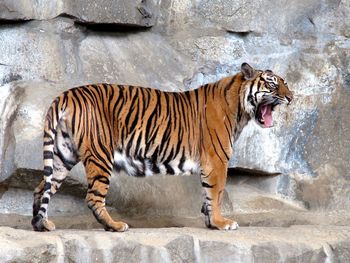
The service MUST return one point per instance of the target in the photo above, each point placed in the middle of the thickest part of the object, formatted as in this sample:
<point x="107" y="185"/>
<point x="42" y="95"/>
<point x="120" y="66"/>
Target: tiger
<point x="144" y="131"/>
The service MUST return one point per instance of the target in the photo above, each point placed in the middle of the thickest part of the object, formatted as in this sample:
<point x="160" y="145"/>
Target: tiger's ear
<point x="248" y="71"/>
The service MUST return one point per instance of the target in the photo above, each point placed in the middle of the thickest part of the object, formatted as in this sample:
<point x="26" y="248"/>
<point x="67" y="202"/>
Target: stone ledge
<point x="248" y="244"/>
<point x="130" y="13"/>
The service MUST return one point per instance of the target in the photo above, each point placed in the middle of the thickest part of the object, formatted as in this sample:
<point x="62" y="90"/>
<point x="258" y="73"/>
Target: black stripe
<point x="144" y="98"/>
<point x="229" y="134"/>
<point x="106" y="160"/>
<point x="67" y="163"/>
<point x="182" y="113"/>
<point x="137" y="146"/>
<point x="169" y="169"/>
<point x="196" y="96"/>
<point x="182" y="160"/>
<point x="239" y="113"/>
<point x="80" y="141"/>
<point x="205" y="209"/>
<point x="213" y="88"/>
<point x="206" y="185"/>
<point x="221" y="146"/>
<point x="101" y="179"/>
<point x="103" y="113"/>
<point x="65" y="101"/>
<point x="131" y="110"/>
<point x="54" y="131"/>
<point x="150" y="121"/>
<point x="94" y="202"/>
<point x="96" y="193"/>
<point x="188" y="103"/>
<point x="155" y="168"/>
<point x="36" y="219"/>
<point x="46" y="135"/>
<point x="170" y="157"/>
<point x="212" y="143"/>
<point x="73" y="116"/>
<point x="48" y="170"/>
<point x="79" y="109"/>
<point x="107" y="171"/>
<point x="152" y="139"/>
<point x="136" y="108"/>
<point x="154" y="159"/>
<point x="48" y="143"/>
<point x="120" y="101"/>
<point x="48" y="155"/>
<point x="228" y="86"/>
<point x="45" y="200"/>
<point x="250" y="96"/>
<point x="129" y="144"/>
<point x="47" y="186"/>
<point x="117" y="167"/>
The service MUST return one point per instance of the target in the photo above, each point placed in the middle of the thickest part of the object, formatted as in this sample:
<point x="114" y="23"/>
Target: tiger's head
<point x="264" y="90"/>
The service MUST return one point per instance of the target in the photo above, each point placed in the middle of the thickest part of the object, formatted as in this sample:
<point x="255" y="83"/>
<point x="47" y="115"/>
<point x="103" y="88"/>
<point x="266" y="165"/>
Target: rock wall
<point x="47" y="47"/>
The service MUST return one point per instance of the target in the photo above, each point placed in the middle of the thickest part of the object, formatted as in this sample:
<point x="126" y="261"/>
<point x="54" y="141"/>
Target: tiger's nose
<point x="289" y="98"/>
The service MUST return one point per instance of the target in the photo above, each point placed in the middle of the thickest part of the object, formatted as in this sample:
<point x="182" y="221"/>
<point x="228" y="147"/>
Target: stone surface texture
<point x="317" y="244"/>
<point x="296" y="173"/>
<point x="141" y="13"/>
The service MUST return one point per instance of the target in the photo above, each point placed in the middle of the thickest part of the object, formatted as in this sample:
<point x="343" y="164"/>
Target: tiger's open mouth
<point x="264" y="114"/>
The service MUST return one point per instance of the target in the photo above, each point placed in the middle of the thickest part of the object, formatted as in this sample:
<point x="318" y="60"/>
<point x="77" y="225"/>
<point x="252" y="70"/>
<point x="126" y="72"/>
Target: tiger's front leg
<point x="213" y="183"/>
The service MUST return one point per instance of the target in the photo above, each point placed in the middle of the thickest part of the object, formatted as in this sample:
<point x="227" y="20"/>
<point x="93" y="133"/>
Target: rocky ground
<point x="248" y="244"/>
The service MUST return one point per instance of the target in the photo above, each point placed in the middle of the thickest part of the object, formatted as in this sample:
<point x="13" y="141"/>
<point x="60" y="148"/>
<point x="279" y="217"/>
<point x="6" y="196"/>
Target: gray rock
<point x="179" y="245"/>
<point x="19" y="201"/>
<point x="10" y="97"/>
<point x="129" y="13"/>
<point x="300" y="19"/>
<point x="127" y="59"/>
<point x="132" y="13"/>
<point x="38" y="43"/>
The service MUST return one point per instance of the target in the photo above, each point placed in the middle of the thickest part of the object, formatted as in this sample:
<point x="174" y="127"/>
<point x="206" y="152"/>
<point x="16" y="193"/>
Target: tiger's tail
<point x="43" y="192"/>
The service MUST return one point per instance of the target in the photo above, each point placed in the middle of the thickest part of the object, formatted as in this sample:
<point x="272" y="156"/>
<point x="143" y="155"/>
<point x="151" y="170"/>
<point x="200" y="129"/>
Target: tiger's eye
<point x="272" y="85"/>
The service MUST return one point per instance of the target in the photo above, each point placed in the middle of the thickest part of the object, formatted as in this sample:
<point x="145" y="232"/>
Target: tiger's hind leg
<point x="98" y="172"/>
<point x="63" y="160"/>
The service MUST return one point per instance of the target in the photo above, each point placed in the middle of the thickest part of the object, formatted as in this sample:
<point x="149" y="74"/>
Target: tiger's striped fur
<point x="145" y="131"/>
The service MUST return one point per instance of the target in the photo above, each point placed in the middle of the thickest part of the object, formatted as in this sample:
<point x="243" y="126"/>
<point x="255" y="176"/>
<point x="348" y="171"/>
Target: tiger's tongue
<point x="266" y="114"/>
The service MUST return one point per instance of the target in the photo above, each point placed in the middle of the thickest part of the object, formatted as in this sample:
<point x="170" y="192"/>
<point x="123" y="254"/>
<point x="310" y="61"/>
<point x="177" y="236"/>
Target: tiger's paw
<point x="42" y="224"/>
<point x="117" y="227"/>
<point x="225" y="224"/>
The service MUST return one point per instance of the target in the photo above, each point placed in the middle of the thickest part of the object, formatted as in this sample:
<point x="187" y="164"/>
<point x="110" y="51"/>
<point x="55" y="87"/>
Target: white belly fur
<point x="137" y="167"/>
